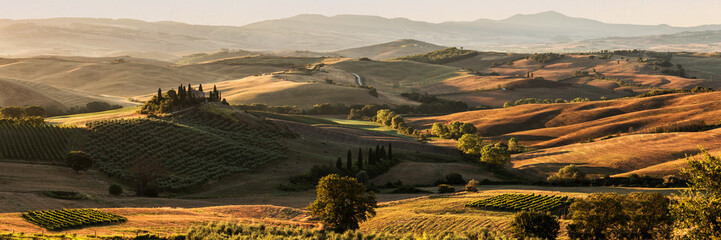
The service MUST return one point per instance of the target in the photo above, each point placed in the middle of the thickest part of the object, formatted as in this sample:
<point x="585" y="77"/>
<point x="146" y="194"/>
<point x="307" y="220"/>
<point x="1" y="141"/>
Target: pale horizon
<point x="238" y="13"/>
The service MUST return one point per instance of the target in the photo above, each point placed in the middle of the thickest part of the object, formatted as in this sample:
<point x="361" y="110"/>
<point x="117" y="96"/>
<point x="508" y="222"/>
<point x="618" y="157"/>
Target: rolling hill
<point x="169" y="40"/>
<point x="602" y="137"/>
<point x="400" y="48"/>
<point x="15" y="92"/>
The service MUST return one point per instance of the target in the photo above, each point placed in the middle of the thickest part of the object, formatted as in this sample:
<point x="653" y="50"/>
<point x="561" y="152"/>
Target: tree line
<point x="30" y="115"/>
<point x="440" y="56"/>
<point x="184" y="97"/>
<point x="375" y="162"/>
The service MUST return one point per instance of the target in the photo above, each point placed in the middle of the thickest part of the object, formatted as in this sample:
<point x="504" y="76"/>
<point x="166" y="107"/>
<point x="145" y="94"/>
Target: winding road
<point x="357" y="78"/>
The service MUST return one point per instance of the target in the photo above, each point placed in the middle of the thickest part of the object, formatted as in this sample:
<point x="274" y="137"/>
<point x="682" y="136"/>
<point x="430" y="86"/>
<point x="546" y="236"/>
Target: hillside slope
<point x="15" y="92"/>
<point x="122" y="76"/>
<point x="403" y="47"/>
<point x="546" y="125"/>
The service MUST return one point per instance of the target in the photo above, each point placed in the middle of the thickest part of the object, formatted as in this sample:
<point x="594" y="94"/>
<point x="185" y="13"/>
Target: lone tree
<point x="342" y="202"/>
<point x="699" y="209"/>
<point x="79" y="161"/>
<point x="534" y="225"/>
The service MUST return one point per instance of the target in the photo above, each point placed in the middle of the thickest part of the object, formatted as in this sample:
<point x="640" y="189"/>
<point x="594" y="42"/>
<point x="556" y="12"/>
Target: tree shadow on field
<point x="539" y="154"/>
<point x="549" y="168"/>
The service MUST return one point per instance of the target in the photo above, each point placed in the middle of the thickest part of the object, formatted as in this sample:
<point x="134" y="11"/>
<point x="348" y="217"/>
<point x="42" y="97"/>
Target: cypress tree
<point x="160" y="96"/>
<point x="339" y="164"/>
<point x="370" y="155"/>
<point x="378" y="152"/>
<point x="190" y="94"/>
<point x="360" y="159"/>
<point x="200" y="87"/>
<point x="383" y="153"/>
<point x="349" y="162"/>
<point x="390" y="151"/>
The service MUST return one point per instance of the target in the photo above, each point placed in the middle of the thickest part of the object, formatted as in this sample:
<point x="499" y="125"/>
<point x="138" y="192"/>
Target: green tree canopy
<point x="470" y="144"/>
<point x="534" y="225"/>
<point x="495" y="156"/>
<point x="342" y="202"/>
<point x="699" y="209"/>
<point x="12" y="112"/>
<point x="568" y="173"/>
<point x="79" y="161"/>
<point x="615" y="216"/>
<point x="34" y="111"/>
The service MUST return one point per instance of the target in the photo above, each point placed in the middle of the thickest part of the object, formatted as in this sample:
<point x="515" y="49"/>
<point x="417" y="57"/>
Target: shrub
<point x="445" y="188"/>
<point x="453" y="130"/>
<point x="79" y="161"/>
<point x="545" y="57"/>
<point x="115" y="190"/>
<point x="454" y="179"/>
<point x="362" y="177"/>
<point x="569" y="173"/>
<point x="472" y="186"/>
<point x="534" y="225"/>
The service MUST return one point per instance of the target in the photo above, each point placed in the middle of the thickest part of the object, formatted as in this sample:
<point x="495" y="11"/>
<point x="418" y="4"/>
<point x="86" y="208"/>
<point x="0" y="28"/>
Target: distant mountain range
<point x="167" y="40"/>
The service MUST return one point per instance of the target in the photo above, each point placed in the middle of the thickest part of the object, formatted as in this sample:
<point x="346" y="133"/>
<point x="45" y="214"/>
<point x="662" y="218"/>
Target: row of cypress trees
<point x="183" y="97"/>
<point x="374" y="157"/>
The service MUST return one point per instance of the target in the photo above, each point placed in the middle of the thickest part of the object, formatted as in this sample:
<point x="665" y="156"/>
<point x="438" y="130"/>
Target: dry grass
<point x="14" y="92"/>
<point x="545" y="125"/>
<point x="563" y="126"/>
<point x="168" y="221"/>
<point x="132" y="77"/>
<point x="400" y="76"/>
<point x="272" y="90"/>
<point x="438" y="213"/>
<point x="81" y="119"/>
<point x="390" y="50"/>
<point x="651" y="154"/>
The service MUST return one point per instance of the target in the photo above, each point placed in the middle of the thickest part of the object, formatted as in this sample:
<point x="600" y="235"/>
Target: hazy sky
<point x="240" y="12"/>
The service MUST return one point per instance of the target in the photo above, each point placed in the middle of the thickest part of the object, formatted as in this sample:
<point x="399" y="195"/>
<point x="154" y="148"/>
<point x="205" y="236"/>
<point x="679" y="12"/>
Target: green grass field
<point x="400" y="76"/>
<point x="320" y="121"/>
<point x="82" y="115"/>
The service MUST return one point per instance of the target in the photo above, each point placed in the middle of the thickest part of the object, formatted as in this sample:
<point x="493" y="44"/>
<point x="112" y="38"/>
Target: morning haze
<point x="360" y="119"/>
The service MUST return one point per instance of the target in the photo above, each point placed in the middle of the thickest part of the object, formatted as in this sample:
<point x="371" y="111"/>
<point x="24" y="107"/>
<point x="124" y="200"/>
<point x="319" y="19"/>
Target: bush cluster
<point x="453" y="130"/>
<point x="545" y="57"/>
<point x="440" y="56"/>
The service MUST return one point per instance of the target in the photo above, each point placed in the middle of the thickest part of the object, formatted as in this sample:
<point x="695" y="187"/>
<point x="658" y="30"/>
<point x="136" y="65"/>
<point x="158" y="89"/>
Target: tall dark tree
<point x="339" y="163"/>
<point x="349" y="161"/>
<point x="390" y="151"/>
<point x="160" y="96"/>
<point x="200" y="88"/>
<point x="383" y="153"/>
<point x="371" y="158"/>
<point x="360" y="159"/>
<point x="191" y="100"/>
